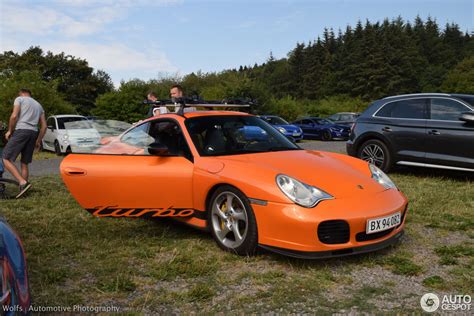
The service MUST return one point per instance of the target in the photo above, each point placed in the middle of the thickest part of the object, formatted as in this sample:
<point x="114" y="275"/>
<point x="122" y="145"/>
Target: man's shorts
<point x="21" y="141"/>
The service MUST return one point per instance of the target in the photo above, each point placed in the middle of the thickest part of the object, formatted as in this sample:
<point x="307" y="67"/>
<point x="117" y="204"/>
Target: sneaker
<point x="23" y="188"/>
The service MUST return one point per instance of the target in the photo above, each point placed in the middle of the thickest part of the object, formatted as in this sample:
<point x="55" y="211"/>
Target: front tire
<point x="376" y="152"/>
<point x="57" y="149"/>
<point x="326" y="136"/>
<point x="232" y="222"/>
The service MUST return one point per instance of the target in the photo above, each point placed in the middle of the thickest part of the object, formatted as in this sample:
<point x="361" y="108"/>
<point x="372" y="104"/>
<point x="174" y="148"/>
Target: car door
<point x="450" y="141"/>
<point x="50" y="136"/>
<point x="128" y="177"/>
<point x="403" y="124"/>
<point x="308" y="127"/>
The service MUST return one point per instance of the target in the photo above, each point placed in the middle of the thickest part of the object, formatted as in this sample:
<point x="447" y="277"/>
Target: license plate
<point x="383" y="223"/>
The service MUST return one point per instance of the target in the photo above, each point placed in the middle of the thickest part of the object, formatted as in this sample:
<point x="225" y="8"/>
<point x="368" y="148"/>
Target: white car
<point x="69" y="133"/>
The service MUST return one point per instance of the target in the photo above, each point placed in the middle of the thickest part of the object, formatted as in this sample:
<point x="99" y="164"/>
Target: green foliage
<point x="73" y="77"/>
<point x="461" y="78"/>
<point x="290" y="108"/>
<point x="44" y="92"/>
<point x="123" y="104"/>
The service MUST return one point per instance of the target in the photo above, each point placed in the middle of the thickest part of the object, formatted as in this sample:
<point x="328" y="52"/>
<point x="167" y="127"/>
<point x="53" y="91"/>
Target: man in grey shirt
<point x="23" y="136"/>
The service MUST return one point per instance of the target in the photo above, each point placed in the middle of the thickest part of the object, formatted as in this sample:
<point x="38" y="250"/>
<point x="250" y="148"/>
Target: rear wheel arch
<point x="369" y="136"/>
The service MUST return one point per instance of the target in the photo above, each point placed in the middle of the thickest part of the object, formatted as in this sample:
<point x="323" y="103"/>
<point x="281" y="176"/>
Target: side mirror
<point x="50" y="127"/>
<point x="157" y="149"/>
<point x="467" y="117"/>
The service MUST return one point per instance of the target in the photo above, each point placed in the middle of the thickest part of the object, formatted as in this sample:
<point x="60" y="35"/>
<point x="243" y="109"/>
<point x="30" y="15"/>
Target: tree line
<point x="331" y="73"/>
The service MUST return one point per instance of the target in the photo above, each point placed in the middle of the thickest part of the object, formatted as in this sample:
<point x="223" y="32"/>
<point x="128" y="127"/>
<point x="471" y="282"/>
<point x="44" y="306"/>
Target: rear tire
<point x="233" y="228"/>
<point x="375" y="151"/>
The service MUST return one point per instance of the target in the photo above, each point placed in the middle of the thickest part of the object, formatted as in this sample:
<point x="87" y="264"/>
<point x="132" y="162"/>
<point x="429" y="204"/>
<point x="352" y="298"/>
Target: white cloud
<point x="115" y="57"/>
<point x="75" y="27"/>
<point x="70" y="18"/>
<point x="120" y="61"/>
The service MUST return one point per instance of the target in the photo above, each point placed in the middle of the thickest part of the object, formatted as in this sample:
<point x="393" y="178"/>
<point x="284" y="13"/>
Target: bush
<point x="290" y="109"/>
<point x="44" y="92"/>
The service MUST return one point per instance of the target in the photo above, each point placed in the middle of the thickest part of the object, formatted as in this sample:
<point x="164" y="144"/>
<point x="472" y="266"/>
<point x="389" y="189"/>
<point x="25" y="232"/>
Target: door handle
<point x="71" y="171"/>
<point x="434" y="132"/>
<point x="387" y="129"/>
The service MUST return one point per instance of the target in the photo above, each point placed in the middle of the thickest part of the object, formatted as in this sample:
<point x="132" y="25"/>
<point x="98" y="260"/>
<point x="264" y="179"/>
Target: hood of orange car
<point x="338" y="175"/>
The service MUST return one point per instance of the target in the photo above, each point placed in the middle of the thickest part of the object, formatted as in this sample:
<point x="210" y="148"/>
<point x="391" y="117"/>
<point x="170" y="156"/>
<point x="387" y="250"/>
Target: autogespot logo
<point x="429" y="302"/>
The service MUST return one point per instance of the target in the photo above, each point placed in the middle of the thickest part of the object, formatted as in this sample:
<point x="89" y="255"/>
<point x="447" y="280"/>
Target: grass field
<point x="159" y="266"/>
<point x="39" y="155"/>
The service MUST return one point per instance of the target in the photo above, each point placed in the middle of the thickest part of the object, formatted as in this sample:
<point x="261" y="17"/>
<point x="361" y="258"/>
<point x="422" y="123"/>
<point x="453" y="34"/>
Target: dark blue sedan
<point x="284" y="127"/>
<point x="316" y="127"/>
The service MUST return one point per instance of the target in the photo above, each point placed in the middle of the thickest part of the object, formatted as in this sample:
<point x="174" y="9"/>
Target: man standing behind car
<point x="151" y="97"/>
<point x="23" y="136"/>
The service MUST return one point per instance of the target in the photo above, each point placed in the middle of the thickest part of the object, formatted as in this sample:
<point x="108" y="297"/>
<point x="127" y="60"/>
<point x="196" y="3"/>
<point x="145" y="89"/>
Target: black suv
<point x="427" y="129"/>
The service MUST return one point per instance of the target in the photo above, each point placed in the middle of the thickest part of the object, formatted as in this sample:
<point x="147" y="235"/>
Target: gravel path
<point x="333" y="146"/>
<point x="41" y="167"/>
<point x="51" y="166"/>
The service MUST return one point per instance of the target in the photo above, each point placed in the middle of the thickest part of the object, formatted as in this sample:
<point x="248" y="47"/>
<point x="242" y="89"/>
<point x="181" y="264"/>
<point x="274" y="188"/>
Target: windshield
<point x="234" y="135"/>
<point x="80" y="124"/>
<point x="65" y="120"/>
<point x="467" y="99"/>
<point x="324" y="121"/>
<point x="110" y="127"/>
<point x="275" y="120"/>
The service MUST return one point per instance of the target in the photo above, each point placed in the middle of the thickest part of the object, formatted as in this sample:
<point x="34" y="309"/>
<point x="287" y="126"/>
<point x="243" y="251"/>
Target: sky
<point x="148" y="39"/>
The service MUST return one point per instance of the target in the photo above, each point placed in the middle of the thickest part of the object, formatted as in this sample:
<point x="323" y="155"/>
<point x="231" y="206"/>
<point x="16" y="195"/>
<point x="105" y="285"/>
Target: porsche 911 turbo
<point x="205" y="169"/>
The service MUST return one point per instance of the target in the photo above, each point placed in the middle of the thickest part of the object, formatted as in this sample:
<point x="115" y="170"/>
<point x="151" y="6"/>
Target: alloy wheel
<point x="229" y="219"/>
<point x="373" y="154"/>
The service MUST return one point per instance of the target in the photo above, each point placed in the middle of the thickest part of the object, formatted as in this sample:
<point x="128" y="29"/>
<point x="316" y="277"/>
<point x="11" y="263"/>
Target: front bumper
<point x="337" y="253"/>
<point x="295" y="228"/>
<point x="350" y="149"/>
<point x="340" y="135"/>
<point x="296" y="136"/>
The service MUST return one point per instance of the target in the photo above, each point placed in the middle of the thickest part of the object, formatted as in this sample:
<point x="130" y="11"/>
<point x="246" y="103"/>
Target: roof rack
<point x="183" y="103"/>
<point x="415" y="94"/>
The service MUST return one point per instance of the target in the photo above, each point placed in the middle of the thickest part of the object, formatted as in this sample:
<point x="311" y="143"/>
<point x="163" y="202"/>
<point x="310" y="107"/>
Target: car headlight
<point x="65" y="137"/>
<point x="281" y="129"/>
<point x="299" y="192"/>
<point x="379" y="176"/>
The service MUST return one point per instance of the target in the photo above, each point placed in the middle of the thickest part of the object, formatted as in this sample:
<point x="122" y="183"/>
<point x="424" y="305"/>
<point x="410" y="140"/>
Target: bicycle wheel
<point x="8" y="189"/>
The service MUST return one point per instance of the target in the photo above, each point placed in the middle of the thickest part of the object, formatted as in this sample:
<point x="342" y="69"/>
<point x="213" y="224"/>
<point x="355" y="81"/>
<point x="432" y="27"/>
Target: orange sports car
<point x="238" y="177"/>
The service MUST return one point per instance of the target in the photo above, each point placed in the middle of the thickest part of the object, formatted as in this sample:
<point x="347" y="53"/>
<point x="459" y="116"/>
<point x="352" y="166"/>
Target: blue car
<point x="316" y="127"/>
<point x="284" y="127"/>
<point x="14" y="286"/>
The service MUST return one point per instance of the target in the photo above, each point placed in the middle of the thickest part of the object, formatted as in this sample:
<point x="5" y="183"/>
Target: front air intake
<point x="333" y="232"/>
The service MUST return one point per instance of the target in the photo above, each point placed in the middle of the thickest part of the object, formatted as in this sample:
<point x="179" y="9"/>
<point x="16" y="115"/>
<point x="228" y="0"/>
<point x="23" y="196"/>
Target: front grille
<point x="334" y="232"/>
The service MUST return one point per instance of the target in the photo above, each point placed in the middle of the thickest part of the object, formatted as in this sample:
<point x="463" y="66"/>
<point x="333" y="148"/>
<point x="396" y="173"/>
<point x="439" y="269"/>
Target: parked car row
<point x="431" y="130"/>
<point x="309" y="128"/>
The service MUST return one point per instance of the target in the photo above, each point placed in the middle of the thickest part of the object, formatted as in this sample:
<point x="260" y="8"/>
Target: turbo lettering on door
<point x="110" y="211"/>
